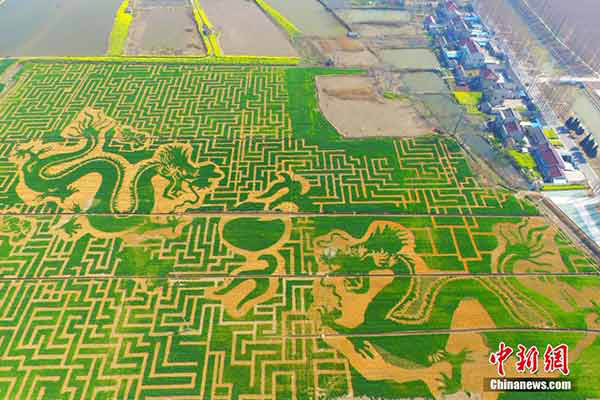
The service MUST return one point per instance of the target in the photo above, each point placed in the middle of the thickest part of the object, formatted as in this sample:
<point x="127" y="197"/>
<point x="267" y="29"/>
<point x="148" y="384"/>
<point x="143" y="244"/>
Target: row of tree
<point x="589" y="145"/>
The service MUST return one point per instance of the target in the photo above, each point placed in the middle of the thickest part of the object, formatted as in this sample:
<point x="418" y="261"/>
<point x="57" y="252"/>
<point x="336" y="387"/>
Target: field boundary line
<point x="445" y="332"/>
<point x="193" y="277"/>
<point x="261" y="214"/>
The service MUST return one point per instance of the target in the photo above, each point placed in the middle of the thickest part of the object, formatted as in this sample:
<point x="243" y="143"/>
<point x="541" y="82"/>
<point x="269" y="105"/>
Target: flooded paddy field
<point x="242" y="28"/>
<point x="424" y="82"/>
<point x="310" y="17"/>
<point x="362" y="16"/>
<point x="56" y="27"/>
<point x="408" y="30"/>
<point x="160" y="3"/>
<point x="411" y="59"/>
<point x="164" y="30"/>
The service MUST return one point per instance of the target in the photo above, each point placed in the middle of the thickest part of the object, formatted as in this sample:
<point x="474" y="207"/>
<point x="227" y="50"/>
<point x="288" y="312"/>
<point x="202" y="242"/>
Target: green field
<point x="201" y="231"/>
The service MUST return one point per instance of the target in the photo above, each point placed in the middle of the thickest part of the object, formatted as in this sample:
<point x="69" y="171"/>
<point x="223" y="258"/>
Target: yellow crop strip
<point x="200" y="26"/>
<point x="118" y="36"/>
<point x="210" y="41"/>
<point x="282" y="21"/>
<point x="225" y="59"/>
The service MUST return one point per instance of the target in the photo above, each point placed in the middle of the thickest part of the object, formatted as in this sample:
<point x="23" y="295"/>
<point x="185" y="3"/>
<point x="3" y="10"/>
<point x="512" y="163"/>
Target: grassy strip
<point x="469" y="99"/>
<point x="554" y="188"/>
<point x="4" y="64"/>
<point x="279" y="19"/>
<point x="118" y="36"/>
<point x="228" y="59"/>
<point x="212" y="43"/>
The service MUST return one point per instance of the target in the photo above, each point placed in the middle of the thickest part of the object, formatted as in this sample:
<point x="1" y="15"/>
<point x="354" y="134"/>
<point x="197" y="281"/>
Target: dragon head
<point x="184" y="175"/>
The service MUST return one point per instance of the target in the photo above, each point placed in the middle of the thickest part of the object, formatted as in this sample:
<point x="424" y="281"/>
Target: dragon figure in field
<point x="112" y="192"/>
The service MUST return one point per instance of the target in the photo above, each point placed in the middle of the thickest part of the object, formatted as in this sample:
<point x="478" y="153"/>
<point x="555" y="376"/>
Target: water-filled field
<point x="310" y="17"/>
<point x="358" y="16"/>
<point x="417" y="59"/>
<point x="243" y="28"/>
<point x="56" y="27"/>
<point x="164" y="31"/>
<point x="424" y="82"/>
<point x="587" y="111"/>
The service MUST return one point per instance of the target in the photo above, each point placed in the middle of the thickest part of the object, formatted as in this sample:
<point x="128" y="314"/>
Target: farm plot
<point x="242" y="120"/>
<point x="146" y="315"/>
<point x="310" y="17"/>
<point x="425" y="82"/>
<point x="379" y="17"/>
<point x="351" y="104"/>
<point x="164" y="31"/>
<point x="150" y="246"/>
<point x="56" y="28"/>
<point x="410" y="59"/>
<point x="243" y="29"/>
<point x="347" y="52"/>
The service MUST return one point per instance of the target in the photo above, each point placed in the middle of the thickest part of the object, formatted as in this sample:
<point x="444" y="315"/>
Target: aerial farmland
<point x="228" y="200"/>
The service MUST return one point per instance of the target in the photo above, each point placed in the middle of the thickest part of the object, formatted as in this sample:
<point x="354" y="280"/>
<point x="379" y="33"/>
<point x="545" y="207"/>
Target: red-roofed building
<point x="550" y="163"/>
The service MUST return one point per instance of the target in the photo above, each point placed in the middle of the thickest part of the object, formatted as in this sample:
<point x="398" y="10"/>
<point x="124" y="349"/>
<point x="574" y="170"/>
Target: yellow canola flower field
<point x="118" y="36"/>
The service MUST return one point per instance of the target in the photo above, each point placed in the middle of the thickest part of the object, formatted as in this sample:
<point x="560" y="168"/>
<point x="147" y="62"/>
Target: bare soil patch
<point x="341" y="43"/>
<point x="354" y="107"/>
<point x="347" y="52"/>
<point x="164" y="30"/>
<point x="242" y="28"/>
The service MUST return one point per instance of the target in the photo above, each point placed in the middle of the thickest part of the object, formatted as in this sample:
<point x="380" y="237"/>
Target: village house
<point x="472" y="56"/>
<point x="550" y="164"/>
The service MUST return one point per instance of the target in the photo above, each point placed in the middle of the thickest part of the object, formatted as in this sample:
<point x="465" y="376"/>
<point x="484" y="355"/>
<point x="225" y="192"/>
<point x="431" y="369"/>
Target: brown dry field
<point x="353" y="106"/>
<point x="242" y="28"/>
<point x="347" y="52"/>
<point x="164" y="30"/>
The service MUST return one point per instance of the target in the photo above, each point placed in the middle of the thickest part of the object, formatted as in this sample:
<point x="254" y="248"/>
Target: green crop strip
<point x="118" y="36"/>
<point x="282" y="21"/>
<point x="555" y="188"/>
<point x="4" y="64"/>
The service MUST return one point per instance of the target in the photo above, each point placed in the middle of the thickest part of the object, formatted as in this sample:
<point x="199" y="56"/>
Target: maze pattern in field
<point x="237" y="118"/>
<point x="168" y="101"/>
<point x="80" y="326"/>
<point x="40" y="247"/>
<point x="159" y="303"/>
<point x="416" y="176"/>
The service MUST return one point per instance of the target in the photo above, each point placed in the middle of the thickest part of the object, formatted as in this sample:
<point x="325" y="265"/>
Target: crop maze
<point x="180" y="232"/>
